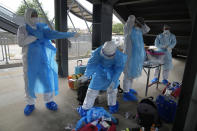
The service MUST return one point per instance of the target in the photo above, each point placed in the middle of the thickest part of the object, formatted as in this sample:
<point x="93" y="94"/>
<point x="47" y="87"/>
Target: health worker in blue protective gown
<point x="39" y="65"/>
<point x="104" y="67"/>
<point x="134" y="49"/>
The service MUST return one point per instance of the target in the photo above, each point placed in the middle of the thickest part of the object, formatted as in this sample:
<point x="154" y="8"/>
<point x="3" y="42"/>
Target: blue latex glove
<point x="83" y="79"/>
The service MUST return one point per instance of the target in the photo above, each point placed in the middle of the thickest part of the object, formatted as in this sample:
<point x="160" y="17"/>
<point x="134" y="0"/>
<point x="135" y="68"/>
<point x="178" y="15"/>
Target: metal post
<point x="189" y="75"/>
<point x="26" y="3"/>
<point x="106" y="20"/>
<point x="72" y="22"/>
<point x="84" y="18"/>
<point x="57" y="27"/>
<point x="70" y="7"/>
<point x="159" y="75"/>
<point x="91" y="26"/>
<point x="53" y="20"/>
<point x="2" y="52"/>
<point x="102" y="23"/>
<point x="147" y="82"/>
<point x="69" y="15"/>
<point x="62" y="45"/>
<point x="6" y="57"/>
<point x="8" y="52"/>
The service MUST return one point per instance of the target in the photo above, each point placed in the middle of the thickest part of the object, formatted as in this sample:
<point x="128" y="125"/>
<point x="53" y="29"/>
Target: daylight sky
<point x="48" y="6"/>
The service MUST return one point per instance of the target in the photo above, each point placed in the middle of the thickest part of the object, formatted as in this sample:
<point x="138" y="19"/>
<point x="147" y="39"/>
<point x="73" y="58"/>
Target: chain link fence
<point x="80" y="47"/>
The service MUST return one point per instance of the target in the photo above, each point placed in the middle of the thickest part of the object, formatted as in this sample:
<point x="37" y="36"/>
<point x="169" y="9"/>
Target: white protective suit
<point x="128" y="80"/>
<point x="23" y="39"/>
<point x="92" y="94"/>
<point x="165" y="41"/>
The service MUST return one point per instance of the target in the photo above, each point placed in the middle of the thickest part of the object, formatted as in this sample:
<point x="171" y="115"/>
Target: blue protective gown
<point x="104" y="71"/>
<point x="42" y="67"/>
<point x="93" y="114"/>
<point x="163" y="42"/>
<point x="137" y="56"/>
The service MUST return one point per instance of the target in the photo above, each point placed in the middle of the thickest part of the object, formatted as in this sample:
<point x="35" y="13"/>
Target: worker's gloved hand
<point x="83" y="79"/>
<point x="170" y="50"/>
<point x="76" y="35"/>
<point x="164" y="47"/>
<point x="140" y="20"/>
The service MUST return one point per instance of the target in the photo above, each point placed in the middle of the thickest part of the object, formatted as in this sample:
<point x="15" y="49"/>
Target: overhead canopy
<point x="79" y="10"/>
<point x="157" y="13"/>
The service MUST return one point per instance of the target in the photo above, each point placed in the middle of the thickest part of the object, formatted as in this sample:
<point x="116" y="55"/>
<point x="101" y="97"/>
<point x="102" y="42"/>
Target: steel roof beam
<point x="134" y="2"/>
<point x="76" y="10"/>
<point x="169" y="21"/>
<point x="154" y="35"/>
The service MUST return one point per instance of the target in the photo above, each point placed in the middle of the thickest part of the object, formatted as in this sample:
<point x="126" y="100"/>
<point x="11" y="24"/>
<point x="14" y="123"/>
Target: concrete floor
<point x="12" y="102"/>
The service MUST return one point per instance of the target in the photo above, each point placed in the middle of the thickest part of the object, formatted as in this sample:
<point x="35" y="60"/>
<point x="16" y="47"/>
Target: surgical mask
<point x="166" y="31"/>
<point x="34" y="20"/>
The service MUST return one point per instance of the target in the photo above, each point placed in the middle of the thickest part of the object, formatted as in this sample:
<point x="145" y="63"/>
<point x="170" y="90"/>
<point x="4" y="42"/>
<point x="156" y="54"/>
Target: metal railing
<point x="80" y="47"/>
<point x="7" y="14"/>
<point x="10" y="52"/>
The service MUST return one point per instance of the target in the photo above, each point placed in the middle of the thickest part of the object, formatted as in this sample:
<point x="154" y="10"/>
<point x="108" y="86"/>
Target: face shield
<point x="130" y="21"/>
<point x="31" y="17"/>
<point x="109" y="49"/>
<point x="166" y="29"/>
<point x="131" y="18"/>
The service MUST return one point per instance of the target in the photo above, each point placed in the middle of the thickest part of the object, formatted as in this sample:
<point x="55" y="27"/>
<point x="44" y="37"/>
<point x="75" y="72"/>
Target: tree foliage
<point x="31" y="4"/>
<point x="117" y="28"/>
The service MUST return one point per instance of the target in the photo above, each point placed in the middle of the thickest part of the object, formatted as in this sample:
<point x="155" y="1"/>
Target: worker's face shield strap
<point x="108" y="55"/>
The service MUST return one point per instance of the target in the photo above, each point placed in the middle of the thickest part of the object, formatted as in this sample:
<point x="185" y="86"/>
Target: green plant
<point x="31" y="4"/>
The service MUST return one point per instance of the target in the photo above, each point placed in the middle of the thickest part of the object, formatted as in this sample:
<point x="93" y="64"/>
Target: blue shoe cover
<point x="114" y="109"/>
<point x="165" y="82"/>
<point x="51" y="106"/>
<point x="129" y="97"/>
<point x="82" y="112"/>
<point x="29" y="109"/>
<point x="133" y="91"/>
<point x="154" y="80"/>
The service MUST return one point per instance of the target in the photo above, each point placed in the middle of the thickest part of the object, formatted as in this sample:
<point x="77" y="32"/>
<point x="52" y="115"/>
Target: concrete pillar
<point x="185" y="116"/>
<point x="102" y="23"/>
